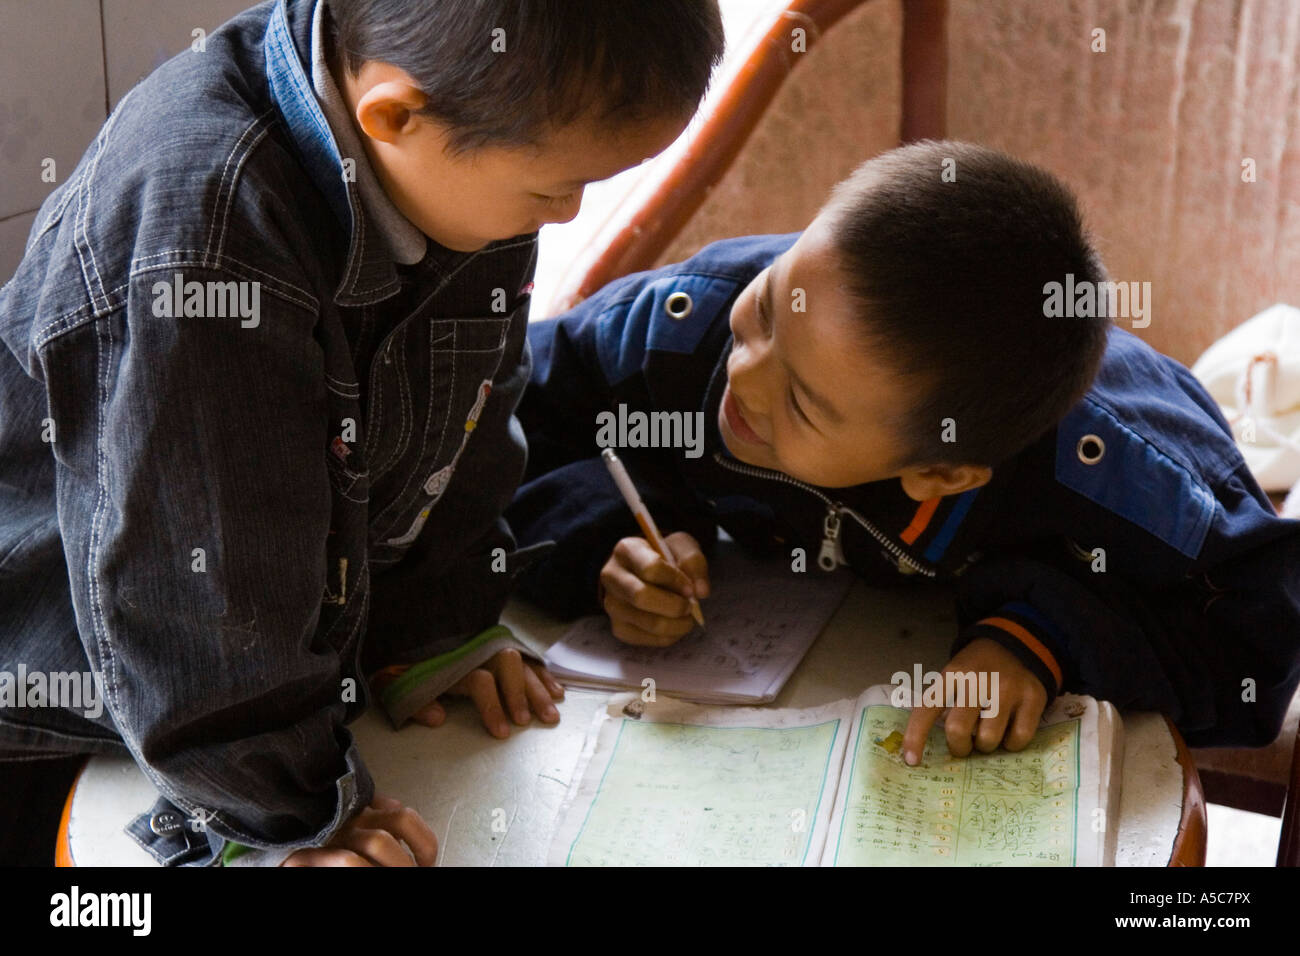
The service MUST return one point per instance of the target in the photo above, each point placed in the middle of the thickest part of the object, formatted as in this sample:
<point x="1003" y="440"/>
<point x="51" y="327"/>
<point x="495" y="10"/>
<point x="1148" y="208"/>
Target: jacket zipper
<point x="831" y="554"/>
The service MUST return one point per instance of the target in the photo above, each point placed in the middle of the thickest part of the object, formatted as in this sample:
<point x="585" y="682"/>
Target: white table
<point x="496" y="802"/>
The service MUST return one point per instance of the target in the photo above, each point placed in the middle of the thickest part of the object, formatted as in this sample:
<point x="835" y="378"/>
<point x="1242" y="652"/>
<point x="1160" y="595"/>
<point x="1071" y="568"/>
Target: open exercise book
<point x="761" y="619"/>
<point x="672" y="783"/>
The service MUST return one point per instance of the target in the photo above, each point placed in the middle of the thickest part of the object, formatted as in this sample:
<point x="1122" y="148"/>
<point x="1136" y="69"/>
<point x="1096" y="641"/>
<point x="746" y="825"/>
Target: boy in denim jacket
<point x="256" y="392"/>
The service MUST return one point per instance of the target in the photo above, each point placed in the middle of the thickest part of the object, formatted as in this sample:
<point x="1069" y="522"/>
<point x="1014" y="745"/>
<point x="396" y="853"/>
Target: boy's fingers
<point x="432" y="714"/>
<point x="624" y="585"/>
<point x="387" y="815"/>
<point x="1025" y="724"/>
<point x="645" y="563"/>
<point x="668" y="630"/>
<point x="539" y="698"/>
<point x="481" y="687"/>
<point x="990" y="731"/>
<point x="629" y="633"/>
<point x="548" y="679"/>
<point x="686" y="552"/>
<point x="508" y="668"/>
<point x="1027" y="714"/>
<point x="378" y="846"/>
<point x="660" y="601"/>
<point x="918" y="730"/>
<point x="325" y="856"/>
<point x="409" y="827"/>
<point x="960" y="728"/>
<point x="615" y="579"/>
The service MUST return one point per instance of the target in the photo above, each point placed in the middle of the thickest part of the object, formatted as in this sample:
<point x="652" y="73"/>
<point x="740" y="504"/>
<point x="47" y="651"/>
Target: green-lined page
<point x="684" y="795"/>
<point x="672" y="783"/>
<point x="1017" y="809"/>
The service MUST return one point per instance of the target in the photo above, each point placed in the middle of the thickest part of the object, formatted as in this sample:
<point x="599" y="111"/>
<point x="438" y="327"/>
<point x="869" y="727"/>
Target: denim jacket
<point x="246" y="459"/>
<point x="1127" y="553"/>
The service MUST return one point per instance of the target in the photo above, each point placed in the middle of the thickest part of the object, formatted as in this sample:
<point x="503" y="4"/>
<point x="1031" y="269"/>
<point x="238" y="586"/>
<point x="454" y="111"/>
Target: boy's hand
<point x="1020" y="701"/>
<point x="526" y="687"/>
<point x="374" y="837"/>
<point x="645" y="597"/>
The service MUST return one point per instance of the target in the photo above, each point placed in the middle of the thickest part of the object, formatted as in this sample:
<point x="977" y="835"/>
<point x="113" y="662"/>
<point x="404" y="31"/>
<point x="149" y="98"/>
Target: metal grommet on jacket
<point x="678" y="305"/>
<point x="1090" y="449"/>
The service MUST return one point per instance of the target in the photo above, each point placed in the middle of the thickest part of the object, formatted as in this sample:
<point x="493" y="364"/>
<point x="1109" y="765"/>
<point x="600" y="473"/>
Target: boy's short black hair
<point x="630" y="62"/>
<point x="950" y="271"/>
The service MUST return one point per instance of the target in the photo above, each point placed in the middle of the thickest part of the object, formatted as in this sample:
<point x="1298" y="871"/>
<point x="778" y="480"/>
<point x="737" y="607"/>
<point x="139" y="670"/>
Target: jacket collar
<point x="370" y="275"/>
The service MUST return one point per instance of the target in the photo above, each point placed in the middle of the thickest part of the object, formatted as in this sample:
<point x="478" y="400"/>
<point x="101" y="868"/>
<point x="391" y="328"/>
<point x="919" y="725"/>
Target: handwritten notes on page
<point x="673" y="783"/>
<point x="686" y="786"/>
<point x="1018" y="809"/>
<point x="761" y="619"/>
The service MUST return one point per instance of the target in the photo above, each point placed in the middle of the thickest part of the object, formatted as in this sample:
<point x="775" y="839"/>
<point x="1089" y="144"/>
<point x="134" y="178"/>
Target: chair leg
<point x="1288" y="844"/>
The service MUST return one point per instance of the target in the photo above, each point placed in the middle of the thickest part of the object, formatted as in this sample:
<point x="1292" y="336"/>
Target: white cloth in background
<point x="1253" y="372"/>
<point x="1291" y="506"/>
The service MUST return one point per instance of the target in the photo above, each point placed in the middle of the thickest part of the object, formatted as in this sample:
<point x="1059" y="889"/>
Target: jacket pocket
<point x="446" y="385"/>
<point x="349" y="483"/>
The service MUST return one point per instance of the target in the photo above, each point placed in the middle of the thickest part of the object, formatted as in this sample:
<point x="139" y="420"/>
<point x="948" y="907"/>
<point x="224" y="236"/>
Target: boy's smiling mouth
<point x="732" y="417"/>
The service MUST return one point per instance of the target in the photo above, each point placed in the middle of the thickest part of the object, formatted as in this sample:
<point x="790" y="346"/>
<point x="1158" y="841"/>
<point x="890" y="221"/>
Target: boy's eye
<point x="554" y="200"/>
<point x="758" y="309"/>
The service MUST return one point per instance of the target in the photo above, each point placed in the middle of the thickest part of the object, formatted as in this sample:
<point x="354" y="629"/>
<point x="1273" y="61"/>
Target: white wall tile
<point x="51" y="94"/>
<point x="141" y="35"/>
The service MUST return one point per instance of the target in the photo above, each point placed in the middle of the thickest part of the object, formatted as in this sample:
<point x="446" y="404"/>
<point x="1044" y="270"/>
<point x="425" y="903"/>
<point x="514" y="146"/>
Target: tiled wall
<point x="66" y="63"/>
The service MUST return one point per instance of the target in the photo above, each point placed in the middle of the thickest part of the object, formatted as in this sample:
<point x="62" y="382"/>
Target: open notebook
<point x="761" y="619"/>
<point x="672" y="783"/>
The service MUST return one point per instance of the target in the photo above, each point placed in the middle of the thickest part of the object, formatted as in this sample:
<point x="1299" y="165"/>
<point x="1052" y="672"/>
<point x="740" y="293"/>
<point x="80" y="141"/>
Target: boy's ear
<point x="935" y="481"/>
<point x="387" y="109"/>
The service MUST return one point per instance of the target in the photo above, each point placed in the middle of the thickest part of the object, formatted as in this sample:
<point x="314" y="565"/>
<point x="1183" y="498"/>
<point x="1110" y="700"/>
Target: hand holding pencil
<point x="652" y="585"/>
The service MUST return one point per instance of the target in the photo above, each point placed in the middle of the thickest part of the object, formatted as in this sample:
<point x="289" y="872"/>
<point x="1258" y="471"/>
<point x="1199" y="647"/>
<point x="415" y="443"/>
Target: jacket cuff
<point x="236" y="854"/>
<point x="418" y="684"/>
<point x="420" y="620"/>
<point x="175" y="838"/>
<point x="1024" y="632"/>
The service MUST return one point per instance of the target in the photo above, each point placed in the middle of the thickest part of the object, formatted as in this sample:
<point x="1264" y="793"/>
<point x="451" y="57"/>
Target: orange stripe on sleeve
<point x="1031" y="642"/>
<point x="920" y="520"/>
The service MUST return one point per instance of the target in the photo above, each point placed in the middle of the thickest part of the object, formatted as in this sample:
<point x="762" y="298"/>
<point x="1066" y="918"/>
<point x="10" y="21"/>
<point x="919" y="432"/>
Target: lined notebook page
<point x="761" y="619"/>
<point x="688" y="786"/>
<point x="672" y="783"/>
<point x="1017" y="809"/>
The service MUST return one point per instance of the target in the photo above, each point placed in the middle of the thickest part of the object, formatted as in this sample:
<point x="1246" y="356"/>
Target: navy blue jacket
<point x="1197" y="610"/>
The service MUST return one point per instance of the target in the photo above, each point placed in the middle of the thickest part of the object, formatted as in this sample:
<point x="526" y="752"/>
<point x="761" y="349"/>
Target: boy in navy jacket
<point x="927" y="385"/>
